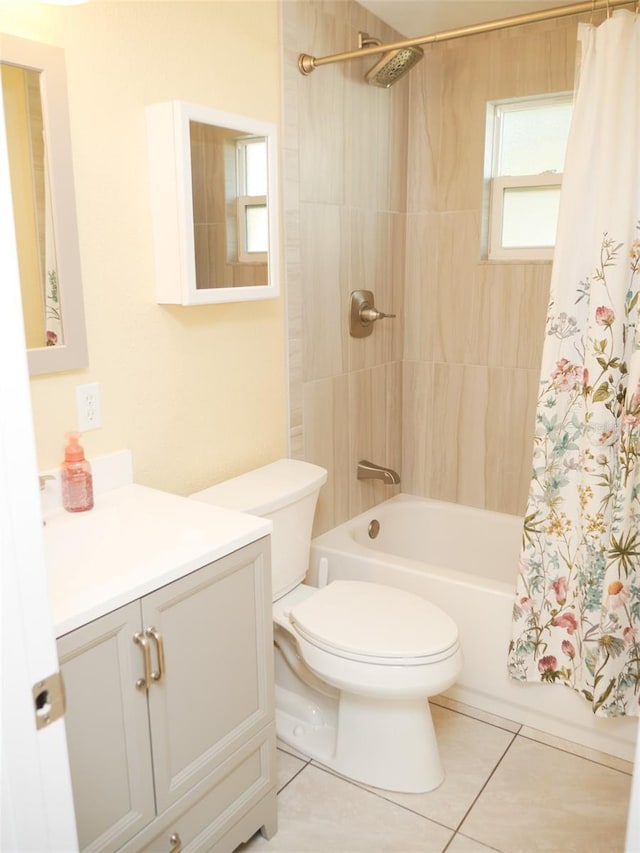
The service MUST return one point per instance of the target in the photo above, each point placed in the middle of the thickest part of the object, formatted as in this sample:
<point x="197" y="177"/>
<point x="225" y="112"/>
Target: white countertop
<point x="133" y="541"/>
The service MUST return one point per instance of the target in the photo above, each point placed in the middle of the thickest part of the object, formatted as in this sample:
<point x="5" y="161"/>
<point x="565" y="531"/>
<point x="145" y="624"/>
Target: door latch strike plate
<point x="49" y="700"/>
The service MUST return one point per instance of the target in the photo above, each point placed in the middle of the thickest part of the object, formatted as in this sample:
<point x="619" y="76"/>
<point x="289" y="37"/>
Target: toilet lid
<point x="367" y="620"/>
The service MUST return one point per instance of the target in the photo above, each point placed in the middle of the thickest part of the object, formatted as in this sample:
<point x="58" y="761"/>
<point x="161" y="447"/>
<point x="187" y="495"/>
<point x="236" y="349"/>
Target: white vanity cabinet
<point x="170" y="719"/>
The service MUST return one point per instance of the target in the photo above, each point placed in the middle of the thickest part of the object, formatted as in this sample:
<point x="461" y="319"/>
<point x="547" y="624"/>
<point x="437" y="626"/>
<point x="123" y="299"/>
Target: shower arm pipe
<point x="307" y="63"/>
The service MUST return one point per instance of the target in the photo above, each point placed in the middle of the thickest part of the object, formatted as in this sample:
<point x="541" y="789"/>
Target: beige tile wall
<point x="383" y="190"/>
<point x="345" y="166"/>
<point x="473" y="330"/>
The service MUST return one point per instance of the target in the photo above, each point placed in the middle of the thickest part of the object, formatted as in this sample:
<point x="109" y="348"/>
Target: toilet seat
<point x="374" y="624"/>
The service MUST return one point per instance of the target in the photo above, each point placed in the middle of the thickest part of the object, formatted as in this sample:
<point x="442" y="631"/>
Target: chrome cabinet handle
<point x="175" y="842"/>
<point x="144" y="683"/>
<point x="157" y="637"/>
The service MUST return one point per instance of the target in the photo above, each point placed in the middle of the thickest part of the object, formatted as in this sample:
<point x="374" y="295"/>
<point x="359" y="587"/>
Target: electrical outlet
<point x="88" y="403"/>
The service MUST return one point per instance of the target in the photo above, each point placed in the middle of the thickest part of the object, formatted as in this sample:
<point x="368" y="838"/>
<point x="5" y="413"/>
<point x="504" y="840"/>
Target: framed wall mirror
<point x="213" y="184"/>
<point x="34" y="98"/>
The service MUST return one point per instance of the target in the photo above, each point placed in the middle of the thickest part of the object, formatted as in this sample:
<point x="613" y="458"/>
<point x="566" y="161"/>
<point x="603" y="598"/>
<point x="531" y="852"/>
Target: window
<point x="253" y="226"/>
<point x="526" y="144"/>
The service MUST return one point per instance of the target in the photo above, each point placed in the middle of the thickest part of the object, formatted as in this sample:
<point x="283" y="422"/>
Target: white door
<point x="36" y="806"/>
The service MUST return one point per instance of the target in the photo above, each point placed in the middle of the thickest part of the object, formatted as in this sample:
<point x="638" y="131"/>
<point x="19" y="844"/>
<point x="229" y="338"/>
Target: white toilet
<point x="355" y="661"/>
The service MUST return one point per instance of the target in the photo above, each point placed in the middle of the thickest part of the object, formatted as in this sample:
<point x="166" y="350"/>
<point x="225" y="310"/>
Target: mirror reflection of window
<point x="32" y="206"/>
<point x="253" y="225"/>
<point x="229" y="188"/>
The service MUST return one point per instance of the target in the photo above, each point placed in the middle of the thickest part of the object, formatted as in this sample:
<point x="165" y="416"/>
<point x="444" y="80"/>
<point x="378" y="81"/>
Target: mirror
<point x="38" y="139"/>
<point x="218" y="172"/>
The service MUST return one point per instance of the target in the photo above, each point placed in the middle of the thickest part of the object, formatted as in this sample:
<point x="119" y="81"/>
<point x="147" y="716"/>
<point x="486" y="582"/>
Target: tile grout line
<point x="377" y="792"/>
<point x="577" y="755"/>
<point x="534" y="739"/>
<point x="469" y="716"/>
<point x="486" y="782"/>
<point x="307" y="762"/>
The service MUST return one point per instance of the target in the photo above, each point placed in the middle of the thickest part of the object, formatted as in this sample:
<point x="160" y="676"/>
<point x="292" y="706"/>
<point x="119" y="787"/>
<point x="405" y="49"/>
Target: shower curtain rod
<point x="307" y="63"/>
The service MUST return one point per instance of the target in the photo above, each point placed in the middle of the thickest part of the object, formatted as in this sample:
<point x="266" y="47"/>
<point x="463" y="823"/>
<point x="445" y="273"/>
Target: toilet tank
<point x="286" y="492"/>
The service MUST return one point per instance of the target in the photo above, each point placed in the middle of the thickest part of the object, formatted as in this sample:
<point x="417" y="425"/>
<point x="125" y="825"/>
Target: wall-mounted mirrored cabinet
<point x="214" y="205"/>
<point x="36" y="118"/>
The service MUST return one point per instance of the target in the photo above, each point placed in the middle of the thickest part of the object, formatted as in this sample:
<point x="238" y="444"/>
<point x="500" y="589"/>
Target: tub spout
<point x="370" y="471"/>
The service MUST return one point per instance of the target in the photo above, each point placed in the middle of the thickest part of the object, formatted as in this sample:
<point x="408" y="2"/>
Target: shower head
<point x="397" y="58"/>
<point x="393" y="65"/>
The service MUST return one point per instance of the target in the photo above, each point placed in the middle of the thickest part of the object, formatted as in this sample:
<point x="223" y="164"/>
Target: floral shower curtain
<point x="577" y="610"/>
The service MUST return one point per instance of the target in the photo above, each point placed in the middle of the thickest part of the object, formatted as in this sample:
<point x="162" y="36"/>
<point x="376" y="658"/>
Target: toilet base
<point x="387" y="744"/>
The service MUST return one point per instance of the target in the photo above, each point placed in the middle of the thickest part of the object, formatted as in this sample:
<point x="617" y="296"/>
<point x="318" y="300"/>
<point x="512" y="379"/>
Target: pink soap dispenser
<point x="77" y="482"/>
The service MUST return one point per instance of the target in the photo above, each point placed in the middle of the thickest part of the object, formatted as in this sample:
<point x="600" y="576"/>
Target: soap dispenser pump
<point x="77" y="482"/>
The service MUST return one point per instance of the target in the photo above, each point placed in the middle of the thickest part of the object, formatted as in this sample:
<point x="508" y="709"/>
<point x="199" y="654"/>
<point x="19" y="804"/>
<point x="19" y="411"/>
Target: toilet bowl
<point x="355" y="661"/>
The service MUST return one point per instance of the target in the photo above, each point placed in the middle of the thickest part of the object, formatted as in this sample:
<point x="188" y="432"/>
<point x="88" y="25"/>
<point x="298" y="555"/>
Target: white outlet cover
<point x="88" y="405"/>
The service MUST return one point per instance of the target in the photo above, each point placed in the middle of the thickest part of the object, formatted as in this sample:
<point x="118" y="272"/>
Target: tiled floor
<point x="508" y="789"/>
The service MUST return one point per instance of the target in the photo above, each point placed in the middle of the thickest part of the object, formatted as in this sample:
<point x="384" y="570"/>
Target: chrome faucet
<point x="370" y="471"/>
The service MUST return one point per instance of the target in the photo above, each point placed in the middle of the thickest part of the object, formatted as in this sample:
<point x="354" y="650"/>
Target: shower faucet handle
<point x="370" y="314"/>
<point x="363" y="313"/>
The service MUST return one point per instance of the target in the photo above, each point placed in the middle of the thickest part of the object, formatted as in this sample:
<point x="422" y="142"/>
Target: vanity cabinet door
<point x="215" y="691"/>
<point x="107" y="730"/>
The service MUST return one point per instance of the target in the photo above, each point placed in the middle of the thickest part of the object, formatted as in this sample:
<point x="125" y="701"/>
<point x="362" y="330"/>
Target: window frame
<point x="497" y="184"/>
<point x="499" y="252"/>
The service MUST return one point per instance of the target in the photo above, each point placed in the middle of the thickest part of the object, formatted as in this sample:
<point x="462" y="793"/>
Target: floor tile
<point x="290" y="749"/>
<point x="469" y="751"/>
<point x="322" y="813"/>
<point x="578" y="749"/>
<point x="544" y="799"/>
<point x="287" y="767"/>
<point x="462" y="844"/>
<point x="476" y="713"/>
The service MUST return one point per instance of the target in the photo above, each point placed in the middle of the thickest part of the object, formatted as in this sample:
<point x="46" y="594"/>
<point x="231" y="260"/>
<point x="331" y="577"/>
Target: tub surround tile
<point x="421" y="283"/>
<point x="500" y="294"/>
<point x="393" y="421"/>
<point x="324" y="283"/>
<point x="460" y="309"/>
<point x="510" y="414"/>
<point x="321" y="99"/>
<point x="451" y="292"/>
<point x="465" y="92"/>
<point x="345" y="174"/>
<point x="535" y="58"/>
<point x="397" y="133"/>
<point x="482" y="427"/>
<point x="319" y="812"/>
<point x="376" y="126"/>
<point x="459" y="433"/>
<point x="541" y="798"/>
<point x="425" y="100"/>
<point x="375" y="264"/>
<point x="326" y="414"/>
<point x="417" y="402"/>
<point x="372" y="395"/>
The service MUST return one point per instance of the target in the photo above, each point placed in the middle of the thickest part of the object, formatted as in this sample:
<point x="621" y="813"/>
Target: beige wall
<point x="345" y="200"/>
<point x="473" y="330"/>
<point x="197" y="393"/>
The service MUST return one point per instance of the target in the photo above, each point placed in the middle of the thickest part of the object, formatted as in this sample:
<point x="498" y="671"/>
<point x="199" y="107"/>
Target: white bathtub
<point x="465" y="560"/>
